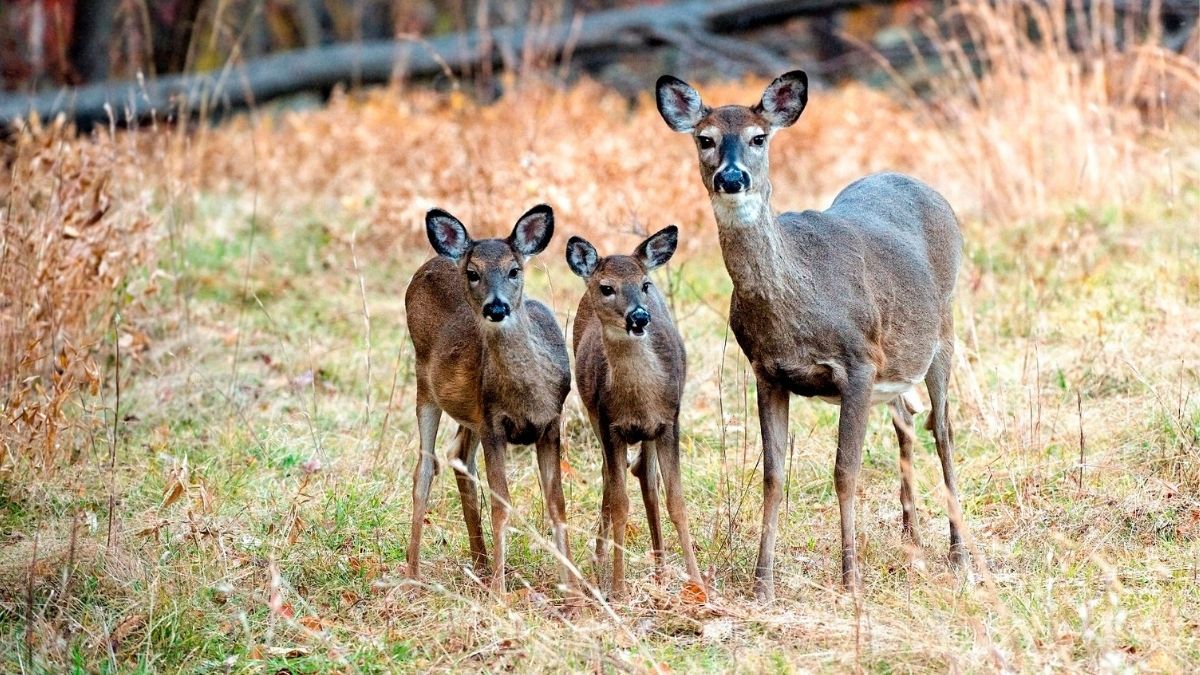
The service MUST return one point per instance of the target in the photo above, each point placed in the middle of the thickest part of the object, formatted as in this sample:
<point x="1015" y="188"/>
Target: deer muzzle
<point x="636" y="321"/>
<point x="496" y="311"/>
<point x="731" y="180"/>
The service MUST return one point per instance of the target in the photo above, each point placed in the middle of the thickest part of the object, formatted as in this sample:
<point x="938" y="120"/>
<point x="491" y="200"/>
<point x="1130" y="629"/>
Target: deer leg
<point x="668" y="458"/>
<point x="773" y="418"/>
<point x="605" y="530"/>
<point x="646" y="469"/>
<point x="852" y="432"/>
<point x="937" y="380"/>
<point x="549" y="456"/>
<point x="468" y="493"/>
<point x="428" y="418"/>
<point x="495" y="449"/>
<point x="618" y="501"/>
<point x="902" y="420"/>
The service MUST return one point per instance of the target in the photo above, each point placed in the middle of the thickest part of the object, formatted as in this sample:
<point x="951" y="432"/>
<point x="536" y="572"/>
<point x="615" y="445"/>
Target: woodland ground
<point x="238" y="379"/>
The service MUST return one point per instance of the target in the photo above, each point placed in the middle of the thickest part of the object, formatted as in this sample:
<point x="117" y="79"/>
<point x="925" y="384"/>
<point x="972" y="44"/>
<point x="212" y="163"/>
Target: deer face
<point x="619" y="286"/>
<point x="493" y="270"/>
<point x="732" y="140"/>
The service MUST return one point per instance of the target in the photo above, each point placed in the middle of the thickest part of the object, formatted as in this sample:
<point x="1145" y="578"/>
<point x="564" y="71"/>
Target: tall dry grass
<point x="72" y="226"/>
<point x="1047" y="105"/>
<point x="1012" y="128"/>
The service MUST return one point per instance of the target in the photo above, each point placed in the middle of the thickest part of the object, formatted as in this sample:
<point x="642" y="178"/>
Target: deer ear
<point x="532" y="233"/>
<point x="658" y="247"/>
<point x="582" y="257"/>
<point x="447" y="234"/>
<point x="679" y="104"/>
<point x="784" y="99"/>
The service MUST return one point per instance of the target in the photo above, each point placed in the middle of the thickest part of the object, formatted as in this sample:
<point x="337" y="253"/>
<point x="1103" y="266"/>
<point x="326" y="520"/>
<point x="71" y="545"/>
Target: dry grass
<point x="72" y="226"/>
<point x="265" y="434"/>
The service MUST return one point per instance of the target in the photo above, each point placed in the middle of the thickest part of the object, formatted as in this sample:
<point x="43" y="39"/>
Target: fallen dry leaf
<point x="349" y="599"/>
<point x="295" y="530"/>
<point x="152" y="529"/>
<point x="128" y="626"/>
<point x="369" y="568"/>
<point x="694" y="593"/>
<point x="313" y="623"/>
<point x="172" y="494"/>
<point x="567" y="470"/>
<point x="176" y="484"/>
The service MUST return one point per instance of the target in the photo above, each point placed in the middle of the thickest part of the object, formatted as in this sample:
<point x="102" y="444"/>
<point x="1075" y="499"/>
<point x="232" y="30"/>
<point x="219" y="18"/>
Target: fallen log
<point x="692" y="25"/>
<point x="240" y="85"/>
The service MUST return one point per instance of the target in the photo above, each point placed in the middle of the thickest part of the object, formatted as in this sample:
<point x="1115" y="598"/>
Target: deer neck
<point x="634" y="367"/>
<point x="752" y="243"/>
<point x="511" y="347"/>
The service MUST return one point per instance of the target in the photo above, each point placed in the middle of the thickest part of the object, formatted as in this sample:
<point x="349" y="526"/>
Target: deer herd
<point x="851" y="305"/>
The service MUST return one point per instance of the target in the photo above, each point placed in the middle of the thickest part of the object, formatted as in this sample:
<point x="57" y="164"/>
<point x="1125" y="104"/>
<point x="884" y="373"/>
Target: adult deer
<point x="496" y="362"/>
<point x="851" y="305"/>
<point x="630" y="365"/>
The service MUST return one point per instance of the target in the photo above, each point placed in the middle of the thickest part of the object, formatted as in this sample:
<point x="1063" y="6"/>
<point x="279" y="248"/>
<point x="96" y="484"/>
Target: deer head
<point x="619" y="285"/>
<point x="733" y="140"/>
<point x="493" y="270"/>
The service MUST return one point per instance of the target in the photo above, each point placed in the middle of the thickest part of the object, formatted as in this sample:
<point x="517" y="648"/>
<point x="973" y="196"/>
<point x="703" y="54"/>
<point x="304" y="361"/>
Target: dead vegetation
<point x="262" y="447"/>
<point x="72" y="227"/>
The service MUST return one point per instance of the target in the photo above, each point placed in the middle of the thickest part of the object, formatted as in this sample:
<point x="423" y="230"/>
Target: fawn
<point x="851" y="304"/>
<point x="630" y="365"/>
<point x="496" y="362"/>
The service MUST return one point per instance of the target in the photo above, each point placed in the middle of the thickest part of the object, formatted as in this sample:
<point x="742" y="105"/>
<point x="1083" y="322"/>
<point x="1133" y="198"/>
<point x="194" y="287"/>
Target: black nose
<point x="732" y="180"/>
<point x="495" y="311"/>
<point x="635" y="321"/>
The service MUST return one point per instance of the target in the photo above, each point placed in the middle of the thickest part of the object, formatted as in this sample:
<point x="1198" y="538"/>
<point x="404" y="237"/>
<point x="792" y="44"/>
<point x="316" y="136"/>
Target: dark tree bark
<point x="91" y="38"/>
<point x="173" y="24"/>
<point x="381" y="61"/>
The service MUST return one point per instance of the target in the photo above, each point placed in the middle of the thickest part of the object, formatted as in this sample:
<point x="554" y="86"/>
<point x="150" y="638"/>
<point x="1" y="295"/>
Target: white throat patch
<point x="737" y="209"/>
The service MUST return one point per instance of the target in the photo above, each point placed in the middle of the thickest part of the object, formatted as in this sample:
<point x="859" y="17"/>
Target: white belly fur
<point x="886" y="392"/>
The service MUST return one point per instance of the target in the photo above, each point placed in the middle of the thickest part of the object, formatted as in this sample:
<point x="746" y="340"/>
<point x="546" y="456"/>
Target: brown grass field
<point x="206" y="381"/>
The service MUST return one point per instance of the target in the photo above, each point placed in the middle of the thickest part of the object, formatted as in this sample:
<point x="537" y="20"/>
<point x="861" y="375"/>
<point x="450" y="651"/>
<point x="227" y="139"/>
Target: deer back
<point x="870" y="278"/>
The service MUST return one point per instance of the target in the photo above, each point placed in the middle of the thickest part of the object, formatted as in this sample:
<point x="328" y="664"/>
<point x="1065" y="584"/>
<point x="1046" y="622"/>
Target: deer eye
<point x="473" y="276"/>
<point x="646" y="287"/>
<point x="512" y="274"/>
<point x="706" y="142"/>
<point x="758" y="140"/>
<point x="606" y="291"/>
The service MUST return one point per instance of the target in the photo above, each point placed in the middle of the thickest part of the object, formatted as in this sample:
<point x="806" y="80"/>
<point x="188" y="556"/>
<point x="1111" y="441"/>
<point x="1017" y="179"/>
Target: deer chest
<point x="797" y="351"/>
<point x="523" y="404"/>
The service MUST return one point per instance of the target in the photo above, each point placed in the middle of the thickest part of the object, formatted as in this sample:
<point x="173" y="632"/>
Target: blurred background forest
<point x="70" y="42"/>
<point x="305" y="47"/>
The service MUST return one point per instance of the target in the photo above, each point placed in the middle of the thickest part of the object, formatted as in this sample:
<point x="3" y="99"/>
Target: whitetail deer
<point x="630" y="366"/>
<point x="851" y="305"/>
<point x="496" y="362"/>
